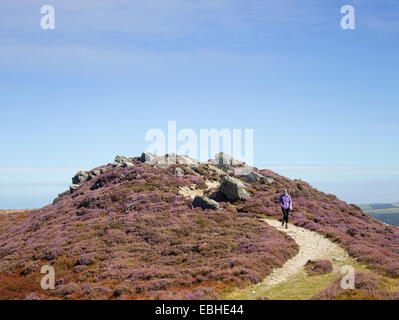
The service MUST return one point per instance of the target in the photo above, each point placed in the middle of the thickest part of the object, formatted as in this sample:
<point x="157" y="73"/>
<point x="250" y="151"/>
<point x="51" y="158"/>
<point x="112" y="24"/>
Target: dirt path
<point x="312" y="246"/>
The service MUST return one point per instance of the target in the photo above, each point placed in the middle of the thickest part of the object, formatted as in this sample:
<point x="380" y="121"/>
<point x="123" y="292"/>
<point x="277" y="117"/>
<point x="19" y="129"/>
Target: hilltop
<point x="171" y="227"/>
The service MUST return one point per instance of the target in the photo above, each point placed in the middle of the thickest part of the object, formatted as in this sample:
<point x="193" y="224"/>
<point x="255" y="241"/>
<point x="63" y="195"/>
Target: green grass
<point x="382" y="211"/>
<point x="300" y="287"/>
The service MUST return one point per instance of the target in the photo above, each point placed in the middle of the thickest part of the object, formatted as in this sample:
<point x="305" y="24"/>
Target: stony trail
<point x="312" y="246"/>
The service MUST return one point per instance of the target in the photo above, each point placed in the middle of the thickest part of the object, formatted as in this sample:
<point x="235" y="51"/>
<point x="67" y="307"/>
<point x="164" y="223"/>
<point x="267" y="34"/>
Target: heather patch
<point x="128" y="233"/>
<point x="318" y="267"/>
<point x="368" y="286"/>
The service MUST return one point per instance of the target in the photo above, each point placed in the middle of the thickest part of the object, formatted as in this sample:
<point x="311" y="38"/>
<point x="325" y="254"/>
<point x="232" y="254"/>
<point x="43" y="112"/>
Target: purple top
<point x="285" y="201"/>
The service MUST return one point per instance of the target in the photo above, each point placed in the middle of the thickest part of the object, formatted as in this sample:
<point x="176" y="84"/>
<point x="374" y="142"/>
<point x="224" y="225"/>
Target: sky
<point x="322" y="101"/>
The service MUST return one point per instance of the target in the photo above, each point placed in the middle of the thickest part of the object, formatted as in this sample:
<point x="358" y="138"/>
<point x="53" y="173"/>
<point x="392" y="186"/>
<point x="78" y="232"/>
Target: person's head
<point x="285" y="191"/>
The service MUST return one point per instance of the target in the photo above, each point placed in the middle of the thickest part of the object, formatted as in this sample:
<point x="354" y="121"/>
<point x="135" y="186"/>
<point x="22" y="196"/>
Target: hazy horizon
<point x="28" y="188"/>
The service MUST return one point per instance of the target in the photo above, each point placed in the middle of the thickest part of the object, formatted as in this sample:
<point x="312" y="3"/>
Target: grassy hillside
<point x="128" y="233"/>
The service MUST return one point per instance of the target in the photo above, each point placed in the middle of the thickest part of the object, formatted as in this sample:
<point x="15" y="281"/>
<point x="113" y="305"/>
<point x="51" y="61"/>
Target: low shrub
<point x="318" y="267"/>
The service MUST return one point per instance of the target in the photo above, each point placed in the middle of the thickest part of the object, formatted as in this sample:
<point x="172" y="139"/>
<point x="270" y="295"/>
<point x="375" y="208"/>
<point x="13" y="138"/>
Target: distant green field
<point x="386" y="212"/>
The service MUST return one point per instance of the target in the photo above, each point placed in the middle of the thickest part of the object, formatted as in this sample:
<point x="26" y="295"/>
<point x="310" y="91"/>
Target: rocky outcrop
<point x="80" y="177"/>
<point x="179" y="172"/>
<point x="256" y="177"/>
<point x="216" y="170"/>
<point x="127" y="164"/>
<point x="122" y="161"/>
<point x="73" y="188"/>
<point x="225" y="162"/>
<point x="233" y="189"/>
<point x="147" y="157"/>
<point x="205" y="203"/>
<point x="222" y="158"/>
<point x="171" y="159"/>
<point x="94" y="174"/>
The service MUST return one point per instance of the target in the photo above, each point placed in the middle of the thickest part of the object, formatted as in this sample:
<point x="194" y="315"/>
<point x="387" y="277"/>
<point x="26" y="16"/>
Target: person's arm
<point x="280" y="201"/>
<point x="290" y="203"/>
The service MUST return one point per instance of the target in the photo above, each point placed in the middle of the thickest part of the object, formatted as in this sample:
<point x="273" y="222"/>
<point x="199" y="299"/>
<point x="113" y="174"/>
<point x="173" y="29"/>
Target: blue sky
<point x="314" y="94"/>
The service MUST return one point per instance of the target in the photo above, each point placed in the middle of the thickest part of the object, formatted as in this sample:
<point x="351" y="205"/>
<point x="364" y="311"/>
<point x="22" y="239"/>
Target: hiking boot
<point x="286" y="226"/>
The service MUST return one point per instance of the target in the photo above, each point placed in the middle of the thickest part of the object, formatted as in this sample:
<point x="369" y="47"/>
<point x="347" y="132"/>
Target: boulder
<point x="222" y="158"/>
<point x="103" y="170"/>
<point x="187" y="161"/>
<point x="217" y="170"/>
<point x="94" y="174"/>
<point x="122" y="161"/>
<point x="178" y="172"/>
<point x="147" y="157"/>
<point x="254" y="177"/>
<point x="127" y="164"/>
<point x="73" y="188"/>
<point x="80" y="177"/>
<point x="170" y="159"/>
<point x="205" y="203"/>
<point x="225" y="162"/>
<point x="249" y="175"/>
<point x="233" y="189"/>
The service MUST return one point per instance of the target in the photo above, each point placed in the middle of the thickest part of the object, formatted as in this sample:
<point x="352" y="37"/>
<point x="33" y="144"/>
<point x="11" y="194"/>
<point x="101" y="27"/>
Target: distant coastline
<point x="385" y="212"/>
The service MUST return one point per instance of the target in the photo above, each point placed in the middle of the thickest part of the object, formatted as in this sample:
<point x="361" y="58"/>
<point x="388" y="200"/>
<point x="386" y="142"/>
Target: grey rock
<point x="170" y="159"/>
<point x="187" y="161"/>
<point x="147" y="157"/>
<point x="120" y="160"/>
<point x="73" y="188"/>
<point x="103" y="170"/>
<point x="205" y="203"/>
<point x="249" y="175"/>
<point x="162" y="165"/>
<point x="253" y="177"/>
<point x="127" y="164"/>
<point x="80" y="177"/>
<point x="233" y="189"/>
<point x="179" y="172"/>
<point x="223" y="159"/>
<point x="94" y="174"/>
<point x="217" y="170"/>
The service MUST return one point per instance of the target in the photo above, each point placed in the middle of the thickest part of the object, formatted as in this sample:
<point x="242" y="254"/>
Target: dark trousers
<point x="286" y="212"/>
